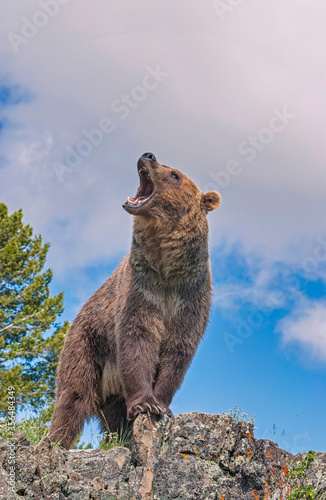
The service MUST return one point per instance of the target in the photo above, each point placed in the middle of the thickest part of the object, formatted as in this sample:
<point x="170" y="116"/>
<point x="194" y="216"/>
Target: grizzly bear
<point x="129" y="347"/>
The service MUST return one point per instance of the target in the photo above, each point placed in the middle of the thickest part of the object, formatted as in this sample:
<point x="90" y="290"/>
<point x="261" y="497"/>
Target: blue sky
<point x="232" y="96"/>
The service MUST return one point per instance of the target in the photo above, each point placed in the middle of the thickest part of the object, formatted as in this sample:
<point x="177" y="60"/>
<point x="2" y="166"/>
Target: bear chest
<point x="169" y="303"/>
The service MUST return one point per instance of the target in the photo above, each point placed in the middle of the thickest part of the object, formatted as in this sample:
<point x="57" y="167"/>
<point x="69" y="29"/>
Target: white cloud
<point x="306" y="327"/>
<point x="225" y="80"/>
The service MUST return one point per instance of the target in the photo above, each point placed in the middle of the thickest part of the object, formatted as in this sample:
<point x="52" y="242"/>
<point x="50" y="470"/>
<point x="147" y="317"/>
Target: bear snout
<point x="147" y="160"/>
<point x="149" y="156"/>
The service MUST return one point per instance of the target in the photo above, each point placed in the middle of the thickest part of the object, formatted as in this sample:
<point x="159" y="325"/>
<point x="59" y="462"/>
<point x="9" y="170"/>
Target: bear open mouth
<point x="144" y="192"/>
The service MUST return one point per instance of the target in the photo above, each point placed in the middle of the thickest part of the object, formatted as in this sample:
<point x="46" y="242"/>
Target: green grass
<point x="299" y="476"/>
<point x="110" y="439"/>
<point x="33" y="428"/>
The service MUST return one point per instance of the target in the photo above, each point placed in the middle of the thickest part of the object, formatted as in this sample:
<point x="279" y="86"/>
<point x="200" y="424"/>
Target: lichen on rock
<point x="192" y="456"/>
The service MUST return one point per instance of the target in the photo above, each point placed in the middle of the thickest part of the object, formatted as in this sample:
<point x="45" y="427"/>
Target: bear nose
<point x="149" y="156"/>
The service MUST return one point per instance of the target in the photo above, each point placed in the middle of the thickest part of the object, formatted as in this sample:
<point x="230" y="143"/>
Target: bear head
<point x="167" y="193"/>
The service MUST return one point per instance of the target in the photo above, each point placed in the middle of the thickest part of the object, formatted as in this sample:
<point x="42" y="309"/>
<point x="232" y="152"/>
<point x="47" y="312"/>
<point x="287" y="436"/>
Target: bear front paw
<point x="147" y="406"/>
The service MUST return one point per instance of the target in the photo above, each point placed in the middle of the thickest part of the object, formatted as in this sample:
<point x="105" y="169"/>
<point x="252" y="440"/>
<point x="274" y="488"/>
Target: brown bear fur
<point x="129" y="347"/>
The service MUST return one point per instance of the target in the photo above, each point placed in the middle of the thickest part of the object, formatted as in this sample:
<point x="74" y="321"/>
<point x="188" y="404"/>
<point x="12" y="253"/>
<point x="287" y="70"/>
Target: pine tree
<point x="30" y="336"/>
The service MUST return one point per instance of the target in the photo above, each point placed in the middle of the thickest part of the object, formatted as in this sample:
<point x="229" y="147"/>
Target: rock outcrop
<point x="192" y="456"/>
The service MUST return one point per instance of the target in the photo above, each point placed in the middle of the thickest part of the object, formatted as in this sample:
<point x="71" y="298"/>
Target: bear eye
<point x="174" y="175"/>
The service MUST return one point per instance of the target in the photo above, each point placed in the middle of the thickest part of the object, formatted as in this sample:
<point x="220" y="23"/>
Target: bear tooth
<point x="131" y="201"/>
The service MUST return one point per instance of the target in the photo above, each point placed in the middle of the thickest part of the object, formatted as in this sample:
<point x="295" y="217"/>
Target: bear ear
<point x="210" y="201"/>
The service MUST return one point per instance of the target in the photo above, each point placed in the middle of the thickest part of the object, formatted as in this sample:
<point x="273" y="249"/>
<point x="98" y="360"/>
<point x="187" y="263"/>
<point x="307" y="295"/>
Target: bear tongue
<point x="143" y="192"/>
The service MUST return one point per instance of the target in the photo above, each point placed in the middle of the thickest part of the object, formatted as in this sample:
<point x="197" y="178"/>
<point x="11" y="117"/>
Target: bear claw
<point x="145" y="407"/>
